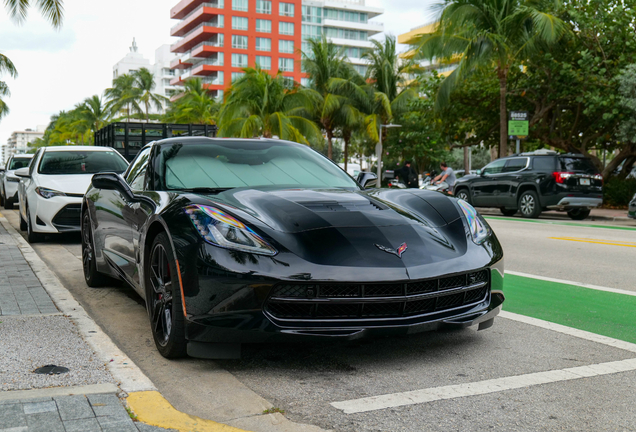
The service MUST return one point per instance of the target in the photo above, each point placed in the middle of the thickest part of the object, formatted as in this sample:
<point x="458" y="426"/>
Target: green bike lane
<point x="607" y="313"/>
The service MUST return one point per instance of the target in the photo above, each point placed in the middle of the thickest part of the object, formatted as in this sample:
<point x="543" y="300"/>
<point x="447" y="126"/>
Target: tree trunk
<point x="346" y="136"/>
<point x="329" y="144"/>
<point x="503" y="113"/>
<point x="466" y="160"/>
<point x="147" y="116"/>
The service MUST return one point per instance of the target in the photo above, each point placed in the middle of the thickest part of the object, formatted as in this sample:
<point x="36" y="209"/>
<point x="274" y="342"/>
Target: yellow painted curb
<point x="153" y="409"/>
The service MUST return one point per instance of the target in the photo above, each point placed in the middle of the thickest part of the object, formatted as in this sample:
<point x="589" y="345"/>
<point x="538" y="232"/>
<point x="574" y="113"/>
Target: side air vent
<point x="333" y="206"/>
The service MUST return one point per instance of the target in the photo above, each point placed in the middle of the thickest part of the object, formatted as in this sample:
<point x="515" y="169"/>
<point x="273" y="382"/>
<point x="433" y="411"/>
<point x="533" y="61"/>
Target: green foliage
<point x="194" y="106"/>
<point x="619" y="192"/>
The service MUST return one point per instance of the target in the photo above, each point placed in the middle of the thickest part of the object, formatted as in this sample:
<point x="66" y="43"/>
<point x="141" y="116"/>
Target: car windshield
<point x="81" y="162"/>
<point x="230" y="164"/>
<point x="578" y="164"/>
<point x="18" y="163"/>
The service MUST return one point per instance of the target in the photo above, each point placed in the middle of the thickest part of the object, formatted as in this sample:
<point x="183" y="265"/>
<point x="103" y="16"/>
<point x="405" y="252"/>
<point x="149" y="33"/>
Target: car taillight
<point x="561" y="177"/>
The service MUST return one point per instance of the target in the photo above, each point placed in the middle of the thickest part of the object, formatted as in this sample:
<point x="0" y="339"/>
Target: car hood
<point x="353" y="228"/>
<point x="71" y="184"/>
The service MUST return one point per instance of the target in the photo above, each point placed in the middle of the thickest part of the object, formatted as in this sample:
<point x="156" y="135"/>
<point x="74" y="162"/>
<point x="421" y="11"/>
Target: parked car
<point x="533" y="182"/>
<point x="238" y="241"/>
<point x="52" y="187"/>
<point x="9" y="183"/>
<point x="631" y="212"/>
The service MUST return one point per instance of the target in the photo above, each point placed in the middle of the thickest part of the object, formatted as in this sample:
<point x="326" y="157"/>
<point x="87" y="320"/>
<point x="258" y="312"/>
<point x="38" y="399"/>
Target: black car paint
<point x="225" y="290"/>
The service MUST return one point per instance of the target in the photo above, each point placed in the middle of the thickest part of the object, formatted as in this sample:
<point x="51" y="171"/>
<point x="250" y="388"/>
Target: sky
<point x="59" y="68"/>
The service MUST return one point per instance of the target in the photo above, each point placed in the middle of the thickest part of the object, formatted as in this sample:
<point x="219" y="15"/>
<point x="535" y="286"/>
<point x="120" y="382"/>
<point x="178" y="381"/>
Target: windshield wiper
<point x="206" y="190"/>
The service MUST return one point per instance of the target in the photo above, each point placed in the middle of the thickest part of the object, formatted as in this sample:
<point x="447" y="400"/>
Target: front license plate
<point x="585" y="182"/>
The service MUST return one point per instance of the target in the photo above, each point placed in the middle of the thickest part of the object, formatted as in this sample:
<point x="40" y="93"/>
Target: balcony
<point x="184" y="61"/>
<point x="205" y="12"/>
<point x="370" y="27"/>
<point x="208" y="48"/>
<point x="201" y="33"/>
<point x="186" y="7"/>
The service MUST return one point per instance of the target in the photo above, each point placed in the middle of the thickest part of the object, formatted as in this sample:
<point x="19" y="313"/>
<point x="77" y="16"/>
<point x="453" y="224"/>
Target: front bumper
<point x="56" y="215"/>
<point x="573" y="202"/>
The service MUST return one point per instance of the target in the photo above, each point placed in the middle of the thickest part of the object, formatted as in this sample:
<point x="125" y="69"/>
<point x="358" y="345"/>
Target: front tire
<point x="8" y="204"/>
<point x="528" y="204"/>
<point x="23" y="224"/>
<point x="93" y="278"/>
<point x="462" y="194"/>
<point x="579" y="213"/>
<point x="164" y="299"/>
<point x="32" y="237"/>
<point x="508" y="212"/>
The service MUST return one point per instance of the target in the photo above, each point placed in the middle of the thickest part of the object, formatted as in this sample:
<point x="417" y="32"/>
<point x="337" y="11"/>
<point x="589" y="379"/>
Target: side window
<point x="495" y="167"/>
<point x="544" y="163"/>
<point x="137" y="172"/>
<point x="34" y="162"/>
<point x="516" y="164"/>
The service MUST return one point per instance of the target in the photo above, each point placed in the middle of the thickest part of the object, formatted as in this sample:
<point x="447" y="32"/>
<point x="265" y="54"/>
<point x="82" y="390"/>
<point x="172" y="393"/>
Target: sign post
<point x="518" y="127"/>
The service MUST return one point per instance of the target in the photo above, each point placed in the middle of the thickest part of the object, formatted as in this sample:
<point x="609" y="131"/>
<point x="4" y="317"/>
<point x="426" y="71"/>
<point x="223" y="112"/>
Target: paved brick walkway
<point x="21" y="292"/>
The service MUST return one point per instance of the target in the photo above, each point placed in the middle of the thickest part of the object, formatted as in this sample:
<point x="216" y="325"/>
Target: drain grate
<point x="51" y="370"/>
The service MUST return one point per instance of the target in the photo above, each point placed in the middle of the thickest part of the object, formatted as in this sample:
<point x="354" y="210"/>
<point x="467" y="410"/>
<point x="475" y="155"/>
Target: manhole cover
<point x="51" y="370"/>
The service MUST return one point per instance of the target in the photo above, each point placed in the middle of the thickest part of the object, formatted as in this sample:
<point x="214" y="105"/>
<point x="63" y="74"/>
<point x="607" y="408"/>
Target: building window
<point x="237" y="75"/>
<point x="311" y="32"/>
<point x="286" y="64"/>
<point x="362" y="70"/>
<point x="239" y="42"/>
<point x="263" y="26"/>
<point x="312" y="14"/>
<point x="345" y="33"/>
<point x="305" y="82"/>
<point x="286" y="46"/>
<point x="239" y="5"/>
<point x="239" y="60"/>
<point x="263" y="44"/>
<point x="264" y="7"/>
<point x="286" y="9"/>
<point x="239" y="23"/>
<point x="286" y="28"/>
<point x="343" y="15"/>
<point x="264" y="62"/>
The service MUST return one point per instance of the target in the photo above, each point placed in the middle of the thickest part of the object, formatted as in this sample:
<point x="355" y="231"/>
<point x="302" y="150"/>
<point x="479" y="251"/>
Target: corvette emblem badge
<point x="398" y="252"/>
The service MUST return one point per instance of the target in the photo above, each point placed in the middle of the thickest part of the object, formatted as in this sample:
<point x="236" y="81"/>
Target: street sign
<point x="518" y="125"/>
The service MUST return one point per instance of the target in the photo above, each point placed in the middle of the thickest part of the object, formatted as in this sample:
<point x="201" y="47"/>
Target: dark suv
<point x="533" y="182"/>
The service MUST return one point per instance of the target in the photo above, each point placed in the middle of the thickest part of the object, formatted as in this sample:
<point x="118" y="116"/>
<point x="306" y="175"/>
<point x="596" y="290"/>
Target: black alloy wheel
<point x="528" y="204"/>
<point x="463" y="195"/>
<point x="579" y="213"/>
<point x="164" y="299"/>
<point x="32" y="237"/>
<point x="508" y="212"/>
<point x="93" y="278"/>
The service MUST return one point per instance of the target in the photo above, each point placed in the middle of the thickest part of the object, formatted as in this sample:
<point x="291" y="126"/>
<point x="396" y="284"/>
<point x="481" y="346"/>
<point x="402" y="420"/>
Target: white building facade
<point x="19" y="142"/>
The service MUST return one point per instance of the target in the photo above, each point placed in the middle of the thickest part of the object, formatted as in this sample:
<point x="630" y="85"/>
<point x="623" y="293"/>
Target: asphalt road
<point x="304" y="380"/>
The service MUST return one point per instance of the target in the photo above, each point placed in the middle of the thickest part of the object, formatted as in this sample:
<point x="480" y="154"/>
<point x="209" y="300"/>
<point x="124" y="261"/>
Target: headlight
<point x="48" y="193"/>
<point x="479" y="229"/>
<point x="221" y="229"/>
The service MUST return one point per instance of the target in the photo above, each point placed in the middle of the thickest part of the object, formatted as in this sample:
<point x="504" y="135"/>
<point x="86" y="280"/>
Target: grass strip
<point x="615" y="227"/>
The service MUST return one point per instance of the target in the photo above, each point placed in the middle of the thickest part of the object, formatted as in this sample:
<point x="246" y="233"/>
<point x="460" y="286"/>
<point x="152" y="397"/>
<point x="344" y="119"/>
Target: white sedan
<point x="51" y="189"/>
<point x="9" y="183"/>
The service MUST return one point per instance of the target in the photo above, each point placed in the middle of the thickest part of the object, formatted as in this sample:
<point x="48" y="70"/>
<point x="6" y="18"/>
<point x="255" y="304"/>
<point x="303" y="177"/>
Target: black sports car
<point x="238" y="241"/>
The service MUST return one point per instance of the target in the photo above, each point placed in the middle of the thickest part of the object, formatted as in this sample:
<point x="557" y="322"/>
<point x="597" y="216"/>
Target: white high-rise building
<point x="19" y="141"/>
<point x="134" y="60"/>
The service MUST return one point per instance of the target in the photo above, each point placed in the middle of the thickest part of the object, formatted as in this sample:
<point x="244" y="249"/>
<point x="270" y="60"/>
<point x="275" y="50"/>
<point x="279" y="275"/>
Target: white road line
<point x="584" y="285"/>
<point x="581" y="334"/>
<point x="482" y="387"/>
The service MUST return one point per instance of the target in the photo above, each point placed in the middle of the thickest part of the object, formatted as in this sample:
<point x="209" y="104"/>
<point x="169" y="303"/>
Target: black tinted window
<point x="516" y="164"/>
<point x="81" y="162"/>
<point x="543" y="163"/>
<point x="577" y="164"/>
<point x="494" y="168"/>
<point x="137" y="174"/>
<point x="18" y="163"/>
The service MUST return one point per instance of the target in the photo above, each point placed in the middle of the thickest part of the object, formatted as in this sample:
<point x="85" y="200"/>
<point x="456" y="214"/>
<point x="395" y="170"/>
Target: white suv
<point x="52" y="188"/>
<point x="9" y="183"/>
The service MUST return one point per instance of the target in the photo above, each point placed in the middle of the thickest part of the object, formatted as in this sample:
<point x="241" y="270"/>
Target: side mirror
<point x="112" y="181"/>
<point x="367" y="179"/>
<point x="480" y="173"/>
<point x="23" y="172"/>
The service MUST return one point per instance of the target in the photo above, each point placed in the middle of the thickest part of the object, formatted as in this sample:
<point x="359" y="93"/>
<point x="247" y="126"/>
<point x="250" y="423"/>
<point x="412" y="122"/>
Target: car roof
<point x="77" y="148"/>
<point x="26" y="156"/>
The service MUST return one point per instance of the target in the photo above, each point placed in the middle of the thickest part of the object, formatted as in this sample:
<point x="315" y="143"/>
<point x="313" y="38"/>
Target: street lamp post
<point x="378" y="151"/>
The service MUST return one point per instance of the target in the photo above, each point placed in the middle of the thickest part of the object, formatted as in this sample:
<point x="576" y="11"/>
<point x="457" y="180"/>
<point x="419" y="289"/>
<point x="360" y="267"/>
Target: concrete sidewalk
<point x="34" y="333"/>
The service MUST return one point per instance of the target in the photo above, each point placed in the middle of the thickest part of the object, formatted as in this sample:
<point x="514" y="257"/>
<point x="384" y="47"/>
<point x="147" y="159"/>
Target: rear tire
<point x="508" y="212"/>
<point x="1" y="199"/>
<point x="23" y="224"/>
<point x="463" y="194"/>
<point x="528" y="204"/>
<point x="8" y="204"/>
<point x="93" y="278"/>
<point x="579" y="213"/>
<point x="32" y="237"/>
<point x="163" y="297"/>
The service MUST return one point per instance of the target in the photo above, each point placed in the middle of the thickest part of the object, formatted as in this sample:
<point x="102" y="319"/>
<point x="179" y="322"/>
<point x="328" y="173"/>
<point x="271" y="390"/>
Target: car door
<point x="27" y="185"/>
<point x="508" y="181"/>
<point x="485" y="192"/>
<point x="116" y="216"/>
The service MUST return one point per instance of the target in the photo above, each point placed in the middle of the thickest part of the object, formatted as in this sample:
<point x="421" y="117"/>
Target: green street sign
<point x="518" y="122"/>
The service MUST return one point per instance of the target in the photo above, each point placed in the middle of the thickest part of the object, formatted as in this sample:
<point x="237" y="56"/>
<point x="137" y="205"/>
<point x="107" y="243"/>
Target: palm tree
<point x="194" y="105"/>
<point x="123" y="93"/>
<point x="488" y="34"/>
<point x="145" y="83"/>
<point x="6" y="66"/>
<point x="259" y="104"/>
<point x="322" y="62"/>
<point x="92" y="114"/>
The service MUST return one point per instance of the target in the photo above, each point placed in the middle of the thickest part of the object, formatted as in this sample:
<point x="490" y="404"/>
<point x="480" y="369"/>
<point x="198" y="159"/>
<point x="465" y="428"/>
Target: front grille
<point x="357" y="301"/>
<point x="68" y="218"/>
